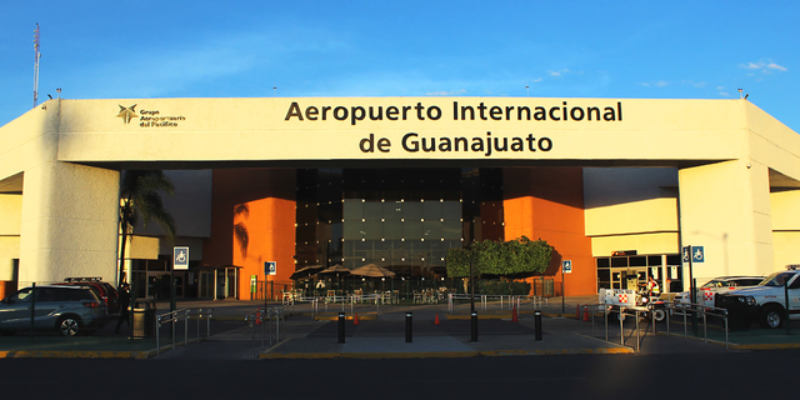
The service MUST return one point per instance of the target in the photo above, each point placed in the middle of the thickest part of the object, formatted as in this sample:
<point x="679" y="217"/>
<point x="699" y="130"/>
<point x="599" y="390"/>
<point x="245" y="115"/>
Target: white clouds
<point x="655" y="84"/>
<point x="221" y="61"/>
<point x="776" y="66"/>
<point x="764" y="67"/>
<point x="558" y="73"/>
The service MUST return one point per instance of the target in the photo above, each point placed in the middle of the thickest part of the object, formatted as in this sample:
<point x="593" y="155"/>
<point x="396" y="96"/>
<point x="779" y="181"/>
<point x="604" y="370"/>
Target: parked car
<point x="69" y="310"/>
<point x="706" y="293"/>
<point x="105" y="291"/>
<point x="765" y="303"/>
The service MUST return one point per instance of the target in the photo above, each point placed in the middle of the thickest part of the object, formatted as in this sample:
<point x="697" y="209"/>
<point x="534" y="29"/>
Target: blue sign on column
<point x="566" y="266"/>
<point x="270" y="267"/>
<point x="180" y="257"/>
<point x="698" y="254"/>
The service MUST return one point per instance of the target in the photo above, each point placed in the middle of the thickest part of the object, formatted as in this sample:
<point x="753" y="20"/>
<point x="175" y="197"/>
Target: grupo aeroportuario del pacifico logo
<point x="487" y="144"/>
<point x="149" y="118"/>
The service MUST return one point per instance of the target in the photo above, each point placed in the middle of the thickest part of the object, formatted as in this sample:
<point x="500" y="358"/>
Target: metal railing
<point x="623" y="313"/>
<point x="174" y="317"/>
<point x="685" y="309"/>
<point x="269" y="321"/>
<point x="351" y="300"/>
<point x="536" y="302"/>
<point x="504" y="302"/>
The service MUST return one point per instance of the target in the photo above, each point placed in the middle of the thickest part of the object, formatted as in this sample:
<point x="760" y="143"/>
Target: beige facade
<point x="659" y="174"/>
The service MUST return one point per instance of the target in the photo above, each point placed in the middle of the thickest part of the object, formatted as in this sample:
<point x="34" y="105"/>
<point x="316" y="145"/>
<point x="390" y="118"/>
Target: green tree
<point x="513" y="259"/>
<point x="140" y="197"/>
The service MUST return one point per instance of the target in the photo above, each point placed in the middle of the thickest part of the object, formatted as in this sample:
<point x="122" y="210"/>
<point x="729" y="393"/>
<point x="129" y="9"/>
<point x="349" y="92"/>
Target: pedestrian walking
<point x="124" y="306"/>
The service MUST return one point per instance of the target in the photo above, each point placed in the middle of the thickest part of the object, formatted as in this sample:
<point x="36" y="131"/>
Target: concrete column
<point x="69" y="222"/>
<point x="10" y="221"/>
<point x="725" y="207"/>
<point x="786" y="227"/>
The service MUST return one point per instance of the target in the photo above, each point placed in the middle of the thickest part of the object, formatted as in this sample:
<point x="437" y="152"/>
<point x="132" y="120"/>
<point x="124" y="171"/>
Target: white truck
<point x="706" y="294"/>
<point x="765" y="303"/>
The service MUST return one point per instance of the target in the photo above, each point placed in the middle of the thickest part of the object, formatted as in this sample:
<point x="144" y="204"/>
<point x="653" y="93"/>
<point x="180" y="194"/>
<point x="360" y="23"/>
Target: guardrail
<point x="535" y="301"/>
<point x="269" y="320"/>
<point x="624" y="312"/>
<point x="174" y="317"/>
<point x="684" y="309"/>
<point x="699" y="309"/>
<point x="503" y="301"/>
<point x="350" y="300"/>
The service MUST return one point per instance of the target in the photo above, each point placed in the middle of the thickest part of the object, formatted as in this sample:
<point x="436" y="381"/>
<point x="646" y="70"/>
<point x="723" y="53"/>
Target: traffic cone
<point x="355" y="319"/>
<point x="586" y="314"/>
<point x="514" y="314"/>
<point x="436" y="321"/>
<point x="258" y="317"/>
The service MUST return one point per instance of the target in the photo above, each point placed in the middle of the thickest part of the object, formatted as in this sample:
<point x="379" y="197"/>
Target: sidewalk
<point x="305" y="335"/>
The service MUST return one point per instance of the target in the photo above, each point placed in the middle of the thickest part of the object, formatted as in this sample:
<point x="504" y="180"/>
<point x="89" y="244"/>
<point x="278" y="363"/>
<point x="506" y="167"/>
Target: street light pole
<point x="471" y="285"/>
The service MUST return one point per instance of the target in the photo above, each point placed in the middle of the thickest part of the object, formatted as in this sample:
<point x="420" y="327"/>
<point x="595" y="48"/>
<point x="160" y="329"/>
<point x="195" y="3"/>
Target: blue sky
<point x="609" y="49"/>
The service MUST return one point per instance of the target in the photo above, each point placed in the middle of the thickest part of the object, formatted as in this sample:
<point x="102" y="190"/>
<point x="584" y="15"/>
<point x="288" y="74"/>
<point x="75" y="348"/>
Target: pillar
<point x="725" y="207"/>
<point x="69" y="223"/>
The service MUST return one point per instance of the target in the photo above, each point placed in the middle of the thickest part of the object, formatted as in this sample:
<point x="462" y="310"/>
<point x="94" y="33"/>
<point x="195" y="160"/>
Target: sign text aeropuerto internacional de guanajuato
<point x="413" y="143"/>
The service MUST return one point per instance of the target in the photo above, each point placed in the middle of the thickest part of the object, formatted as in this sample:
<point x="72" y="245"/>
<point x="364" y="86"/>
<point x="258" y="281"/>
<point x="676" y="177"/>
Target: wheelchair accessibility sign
<point x="566" y="266"/>
<point x="180" y="257"/>
<point x="270" y="267"/>
<point x="696" y="254"/>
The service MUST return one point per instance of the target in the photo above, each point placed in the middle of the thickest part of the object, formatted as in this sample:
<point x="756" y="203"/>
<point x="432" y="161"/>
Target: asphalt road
<point x="739" y="375"/>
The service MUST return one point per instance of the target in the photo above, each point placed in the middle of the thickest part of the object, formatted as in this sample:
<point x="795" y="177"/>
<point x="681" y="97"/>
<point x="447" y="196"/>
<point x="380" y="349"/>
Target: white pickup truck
<point x="765" y="303"/>
<point x="706" y="294"/>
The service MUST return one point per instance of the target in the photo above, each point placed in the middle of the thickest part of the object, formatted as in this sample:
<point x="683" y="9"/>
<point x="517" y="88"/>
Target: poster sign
<point x="270" y="267"/>
<point x="180" y="257"/>
<point x="566" y="266"/>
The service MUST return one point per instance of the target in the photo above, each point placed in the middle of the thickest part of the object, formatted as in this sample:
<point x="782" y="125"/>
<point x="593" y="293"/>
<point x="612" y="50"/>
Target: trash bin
<point x="144" y="318"/>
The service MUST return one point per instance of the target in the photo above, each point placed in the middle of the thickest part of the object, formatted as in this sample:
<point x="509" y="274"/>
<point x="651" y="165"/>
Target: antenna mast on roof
<point x="36" y="65"/>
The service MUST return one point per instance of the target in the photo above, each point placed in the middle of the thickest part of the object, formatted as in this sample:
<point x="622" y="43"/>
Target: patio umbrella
<point x="336" y="269"/>
<point x="372" y="271"/>
<point x="306" y="272"/>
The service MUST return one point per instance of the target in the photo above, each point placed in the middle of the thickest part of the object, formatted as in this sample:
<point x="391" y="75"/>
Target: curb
<point x="138" y="355"/>
<point x="349" y="317"/>
<point x="775" y="346"/>
<point x="440" y="354"/>
<point x="368" y="356"/>
<point x="463" y="317"/>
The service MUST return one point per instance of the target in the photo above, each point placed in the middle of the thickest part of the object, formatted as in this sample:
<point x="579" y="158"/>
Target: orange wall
<point x="7" y="288"/>
<point x="547" y="203"/>
<point x="268" y="195"/>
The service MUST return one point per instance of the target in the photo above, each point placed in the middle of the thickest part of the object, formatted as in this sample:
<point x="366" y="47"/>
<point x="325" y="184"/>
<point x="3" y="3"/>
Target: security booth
<point x="217" y="282"/>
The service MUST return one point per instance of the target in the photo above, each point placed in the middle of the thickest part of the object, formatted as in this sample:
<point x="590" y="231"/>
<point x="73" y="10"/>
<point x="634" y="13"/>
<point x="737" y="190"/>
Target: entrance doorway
<point x="625" y="272"/>
<point x="218" y="282"/>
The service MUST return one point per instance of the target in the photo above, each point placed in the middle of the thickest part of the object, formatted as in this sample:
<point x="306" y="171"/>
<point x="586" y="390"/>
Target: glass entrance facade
<point x="402" y="219"/>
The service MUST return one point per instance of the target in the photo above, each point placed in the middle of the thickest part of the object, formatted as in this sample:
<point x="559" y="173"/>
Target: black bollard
<point x="538" y="319"/>
<point x="341" y="327"/>
<point x="474" y="326"/>
<point x="409" y="322"/>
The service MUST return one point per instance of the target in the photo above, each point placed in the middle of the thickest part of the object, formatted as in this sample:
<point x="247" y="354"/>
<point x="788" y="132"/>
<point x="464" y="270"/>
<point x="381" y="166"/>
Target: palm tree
<point x="140" y="196"/>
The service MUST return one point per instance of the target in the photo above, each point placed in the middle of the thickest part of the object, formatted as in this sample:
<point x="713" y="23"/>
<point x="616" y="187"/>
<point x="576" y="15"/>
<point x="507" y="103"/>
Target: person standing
<point x="652" y="287"/>
<point x="124" y="307"/>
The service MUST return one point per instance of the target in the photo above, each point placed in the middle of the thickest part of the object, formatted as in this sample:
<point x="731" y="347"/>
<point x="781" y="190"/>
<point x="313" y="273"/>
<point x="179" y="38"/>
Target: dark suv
<point x="69" y="310"/>
<point x="104" y="290"/>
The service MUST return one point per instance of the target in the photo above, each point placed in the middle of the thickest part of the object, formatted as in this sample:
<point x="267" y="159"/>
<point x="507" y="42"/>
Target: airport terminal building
<point x="616" y="186"/>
